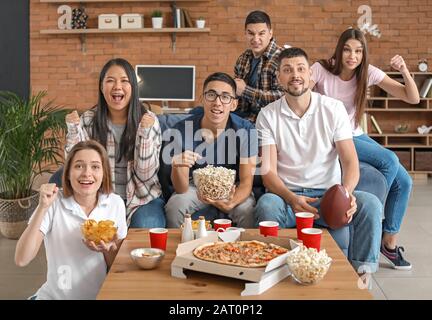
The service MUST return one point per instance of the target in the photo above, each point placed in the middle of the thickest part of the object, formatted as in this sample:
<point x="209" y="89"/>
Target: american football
<point x="334" y="205"/>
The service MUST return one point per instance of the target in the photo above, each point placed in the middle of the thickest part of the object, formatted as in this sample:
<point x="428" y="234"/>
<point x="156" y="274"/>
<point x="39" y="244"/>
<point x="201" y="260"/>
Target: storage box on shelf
<point x="399" y="121"/>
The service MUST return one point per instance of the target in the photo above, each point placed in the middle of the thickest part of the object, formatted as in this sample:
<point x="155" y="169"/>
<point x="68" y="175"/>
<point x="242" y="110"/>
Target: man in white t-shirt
<point x="303" y="136"/>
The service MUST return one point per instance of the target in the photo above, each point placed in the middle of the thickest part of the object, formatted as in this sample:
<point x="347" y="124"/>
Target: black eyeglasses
<point x="211" y="96"/>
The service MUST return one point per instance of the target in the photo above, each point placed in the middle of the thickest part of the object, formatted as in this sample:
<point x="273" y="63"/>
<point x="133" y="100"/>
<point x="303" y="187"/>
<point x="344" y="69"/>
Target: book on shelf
<point x="363" y="123"/>
<point x="183" y="19"/>
<point x="426" y="87"/>
<point x="178" y="18"/>
<point x="174" y="14"/>
<point x="188" y="19"/>
<point x="376" y="125"/>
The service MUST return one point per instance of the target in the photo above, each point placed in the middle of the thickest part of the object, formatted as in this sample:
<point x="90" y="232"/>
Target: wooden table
<point x="126" y="281"/>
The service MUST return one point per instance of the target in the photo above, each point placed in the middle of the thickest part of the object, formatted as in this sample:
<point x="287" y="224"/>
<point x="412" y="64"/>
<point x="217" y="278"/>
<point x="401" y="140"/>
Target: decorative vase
<point x="14" y="214"/>
<point x="157" y="22"/>
<point x="200" y="24"/>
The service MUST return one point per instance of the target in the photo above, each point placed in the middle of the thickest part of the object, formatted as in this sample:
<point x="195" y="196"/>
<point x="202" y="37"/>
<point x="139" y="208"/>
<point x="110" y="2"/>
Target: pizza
<point x="249" y="254"/>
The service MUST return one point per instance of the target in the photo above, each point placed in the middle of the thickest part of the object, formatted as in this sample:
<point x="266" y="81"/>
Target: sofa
<point x="371" y="180"/>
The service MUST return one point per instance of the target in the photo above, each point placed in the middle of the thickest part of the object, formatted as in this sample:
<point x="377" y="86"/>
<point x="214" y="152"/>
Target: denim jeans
<point x="363" y="232"/>
<point x="150" y="215"/>
<point x="179" y="204"/>
<point x="398" y="180"/>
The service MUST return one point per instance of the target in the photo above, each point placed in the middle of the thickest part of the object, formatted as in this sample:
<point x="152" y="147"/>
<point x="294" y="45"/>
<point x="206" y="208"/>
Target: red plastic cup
<point x="312" y="238"/>
<point x="220" y="225"/>
<point x="158" y="238"/>
<point x="269" y="228"/>
<point x="303" y="220"/>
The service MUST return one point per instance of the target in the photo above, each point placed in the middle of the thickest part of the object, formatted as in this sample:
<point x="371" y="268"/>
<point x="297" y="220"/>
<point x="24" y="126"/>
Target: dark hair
<point x="335" y="66"/>
<point x="106" y="186"/>
<point x="292" y="53"/>
<point x="135" y="112"/>
<point x="220" y="76"/>
<point x="258" y="17"/>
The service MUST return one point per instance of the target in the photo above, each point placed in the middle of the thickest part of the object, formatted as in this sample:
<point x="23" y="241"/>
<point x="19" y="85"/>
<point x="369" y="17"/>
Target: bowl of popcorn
<point x="307" y="265"/>
<point x="214" y="183"/>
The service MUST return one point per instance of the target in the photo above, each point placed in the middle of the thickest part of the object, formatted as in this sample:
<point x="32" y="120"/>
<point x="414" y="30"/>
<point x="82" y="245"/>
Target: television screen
<point x="166" y="83"/>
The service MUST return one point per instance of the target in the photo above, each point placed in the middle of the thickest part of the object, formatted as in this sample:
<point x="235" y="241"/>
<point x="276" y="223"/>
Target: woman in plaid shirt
<point x="132" y="137"/>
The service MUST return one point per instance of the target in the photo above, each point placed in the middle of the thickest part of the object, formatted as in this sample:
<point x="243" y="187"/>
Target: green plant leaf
<point x="30" y="133"/>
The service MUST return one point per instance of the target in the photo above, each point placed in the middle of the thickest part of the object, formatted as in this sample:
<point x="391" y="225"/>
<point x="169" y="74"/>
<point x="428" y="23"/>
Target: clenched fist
<point x="47" y="194"/>
<point x="398" y="63"/>
<point x="147" y="121"/>
<point x="73" y="118"/>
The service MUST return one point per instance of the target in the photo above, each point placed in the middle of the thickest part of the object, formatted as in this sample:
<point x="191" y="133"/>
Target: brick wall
<point x="70" y="76"/>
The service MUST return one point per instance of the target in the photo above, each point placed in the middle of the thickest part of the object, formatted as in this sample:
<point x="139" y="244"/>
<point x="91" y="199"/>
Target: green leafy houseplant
<point x="156" y="14"/>
<point x="30" y="133"/>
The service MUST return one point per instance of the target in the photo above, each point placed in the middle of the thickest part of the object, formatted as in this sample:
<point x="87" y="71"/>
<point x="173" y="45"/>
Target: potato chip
<point x="195" y="224"/>
<point x="96" y="231"/>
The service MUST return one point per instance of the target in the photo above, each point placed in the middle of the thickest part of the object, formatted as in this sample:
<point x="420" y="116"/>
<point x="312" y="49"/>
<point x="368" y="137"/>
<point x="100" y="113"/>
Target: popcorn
<point x="214" y="182"/>
<point x="307" y="265"/>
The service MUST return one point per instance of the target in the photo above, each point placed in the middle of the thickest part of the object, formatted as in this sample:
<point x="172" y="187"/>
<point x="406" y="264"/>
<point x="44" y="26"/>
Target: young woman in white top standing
<point x="346" y="76"/>
<point x="76" y="267"/>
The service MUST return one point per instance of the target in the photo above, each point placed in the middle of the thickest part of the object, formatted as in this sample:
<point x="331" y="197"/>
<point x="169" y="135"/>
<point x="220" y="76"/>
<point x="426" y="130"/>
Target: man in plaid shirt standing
<point x="255" y="69"/>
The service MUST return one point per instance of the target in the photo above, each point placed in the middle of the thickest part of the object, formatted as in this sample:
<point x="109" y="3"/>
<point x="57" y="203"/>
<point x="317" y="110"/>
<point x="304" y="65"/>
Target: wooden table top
<point x="126" y="281"/>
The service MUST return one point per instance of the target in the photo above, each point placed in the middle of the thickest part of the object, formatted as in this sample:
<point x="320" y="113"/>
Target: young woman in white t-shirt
<point x="346" y="76"/>
<point x="76" y="267"/>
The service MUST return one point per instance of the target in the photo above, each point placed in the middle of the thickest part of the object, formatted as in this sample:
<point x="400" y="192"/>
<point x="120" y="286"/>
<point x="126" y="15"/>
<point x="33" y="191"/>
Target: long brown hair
<point x="335" y="66"/>
<point x="106" y="186"/>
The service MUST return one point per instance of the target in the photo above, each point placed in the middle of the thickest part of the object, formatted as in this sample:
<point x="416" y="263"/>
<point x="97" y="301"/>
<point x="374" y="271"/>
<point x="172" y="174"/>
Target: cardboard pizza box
<point x="263" y="277"/>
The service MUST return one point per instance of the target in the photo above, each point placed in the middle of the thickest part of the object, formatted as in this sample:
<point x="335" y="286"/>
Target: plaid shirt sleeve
<point x="78" y="132"/>
<point x="148" y="145"/>
<point x="271" y="89"/>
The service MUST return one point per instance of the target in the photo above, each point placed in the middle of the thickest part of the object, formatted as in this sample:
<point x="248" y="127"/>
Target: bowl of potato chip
<point x="307" y="265"/>
<point x="147" y="258"/>
<point x="103" y="230"/>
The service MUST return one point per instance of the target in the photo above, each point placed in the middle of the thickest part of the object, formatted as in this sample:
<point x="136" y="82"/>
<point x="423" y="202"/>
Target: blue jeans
<point x="150" y="215"/>
<point x="398" y="180"/>
<point x="363" y="232"/>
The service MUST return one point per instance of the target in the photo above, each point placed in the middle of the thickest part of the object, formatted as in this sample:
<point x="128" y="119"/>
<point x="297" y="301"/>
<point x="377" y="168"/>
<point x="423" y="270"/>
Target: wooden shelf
<point x="395" y="73"/>
<point x="399" y="135"/>
<point x="84" y="32"/>
<point x="393" y="98"/>
<point x="102" y="1"/>
<point x="396" y="109"/>
<point x="142" y="30"/>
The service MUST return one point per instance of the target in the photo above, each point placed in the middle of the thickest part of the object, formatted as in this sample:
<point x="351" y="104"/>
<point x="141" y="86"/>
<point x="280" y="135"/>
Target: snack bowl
<point x="147" y="258"/>
<point x="104" y="230"/>
<point x="214" y="183"/>
<point x="307" y="266"/>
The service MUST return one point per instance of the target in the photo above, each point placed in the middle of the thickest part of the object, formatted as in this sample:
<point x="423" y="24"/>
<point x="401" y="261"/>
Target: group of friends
<point x="294" y="124"/>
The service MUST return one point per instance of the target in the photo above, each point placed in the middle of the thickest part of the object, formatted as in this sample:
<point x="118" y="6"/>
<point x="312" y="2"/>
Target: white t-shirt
<point x="306" y="150"/>
<point x="333" y="86"/>
<point x="74" y="271"/>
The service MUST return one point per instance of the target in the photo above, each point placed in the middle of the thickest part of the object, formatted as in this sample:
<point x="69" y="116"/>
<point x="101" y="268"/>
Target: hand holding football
<point x="334" y="205"/>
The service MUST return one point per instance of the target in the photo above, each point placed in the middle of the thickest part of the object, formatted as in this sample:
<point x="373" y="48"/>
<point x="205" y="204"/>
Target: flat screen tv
<point x="166" y="82"/>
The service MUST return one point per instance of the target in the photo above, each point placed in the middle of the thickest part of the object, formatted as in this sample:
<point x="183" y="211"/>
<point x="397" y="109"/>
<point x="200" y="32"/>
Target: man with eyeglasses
<point x="255" y="69"/>
<point x="215" y="137"/>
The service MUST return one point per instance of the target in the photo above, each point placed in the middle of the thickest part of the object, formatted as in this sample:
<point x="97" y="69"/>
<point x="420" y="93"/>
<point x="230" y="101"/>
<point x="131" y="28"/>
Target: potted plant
<point x="200" y="22"/>
<point x="157" y="19"/>
<point x="30" y="133"/>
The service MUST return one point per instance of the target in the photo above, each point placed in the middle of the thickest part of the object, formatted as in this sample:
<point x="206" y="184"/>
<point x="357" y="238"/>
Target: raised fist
<point x="73" y="118"/>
